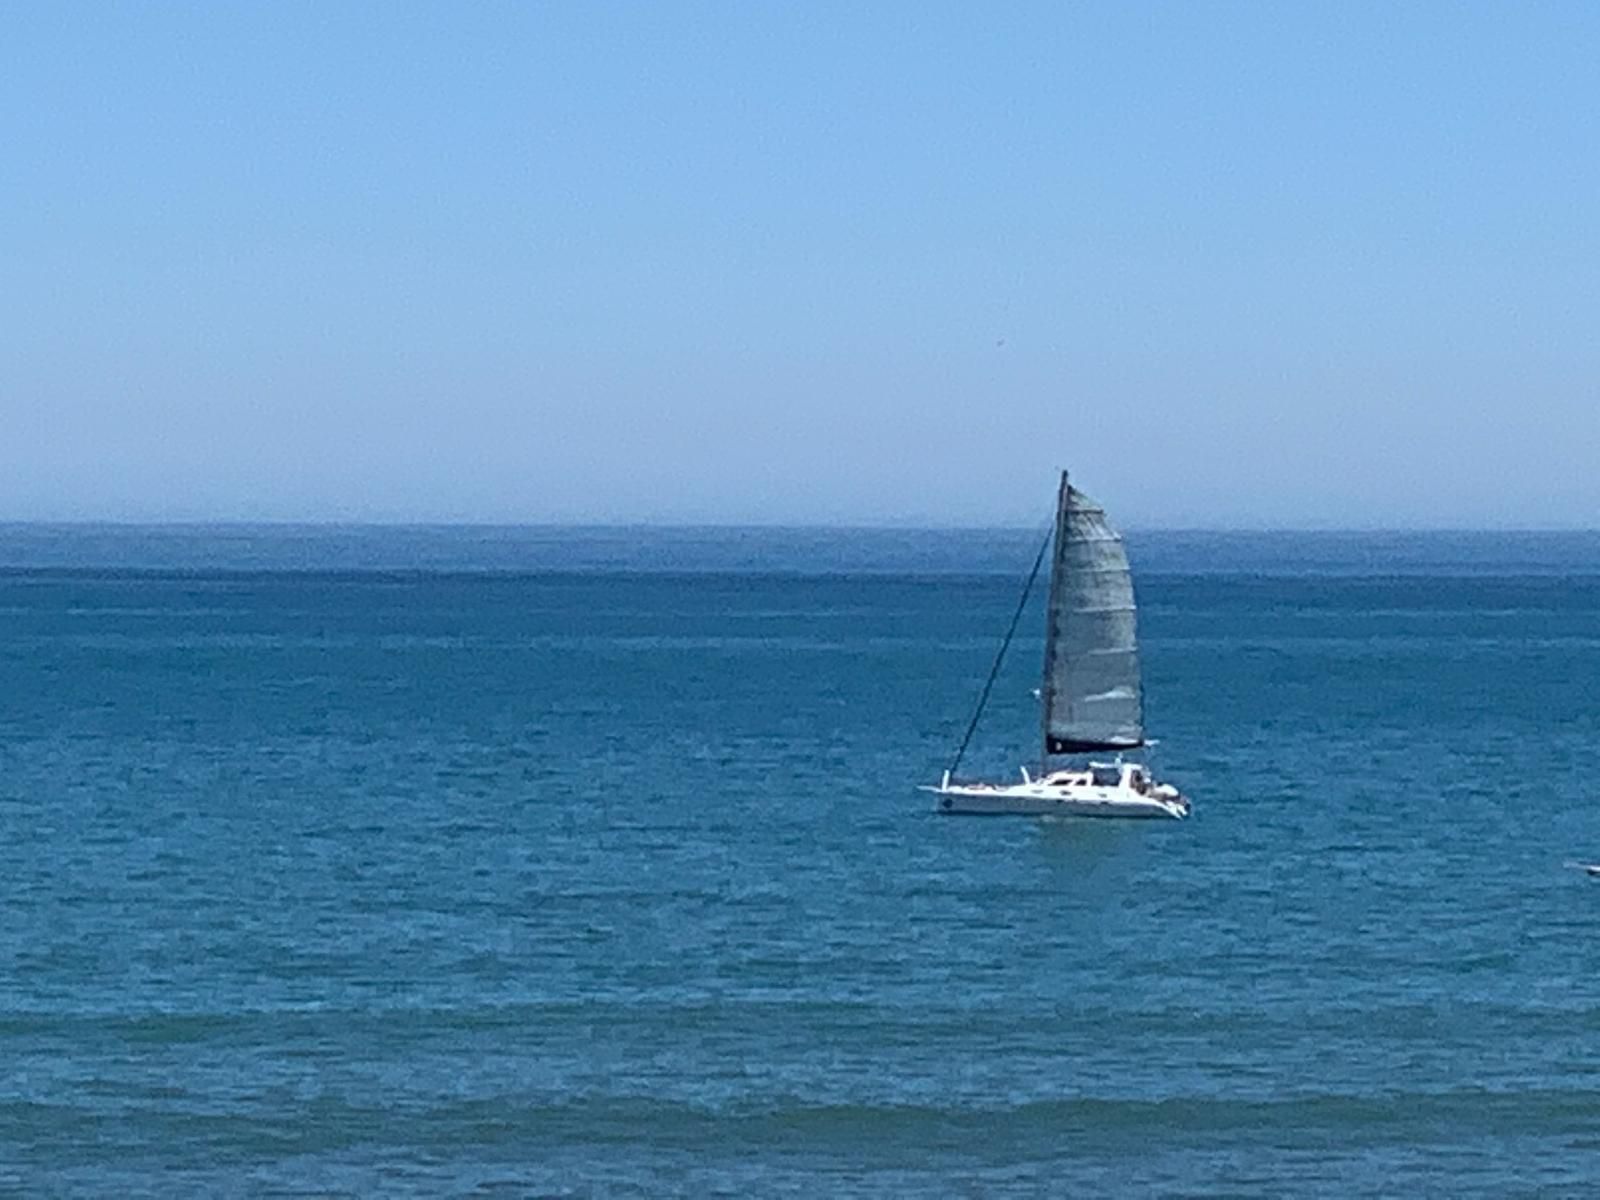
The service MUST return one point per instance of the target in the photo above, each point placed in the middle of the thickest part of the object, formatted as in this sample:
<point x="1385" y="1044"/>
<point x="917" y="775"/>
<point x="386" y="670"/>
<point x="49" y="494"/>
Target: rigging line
<point x="994" y="671"/>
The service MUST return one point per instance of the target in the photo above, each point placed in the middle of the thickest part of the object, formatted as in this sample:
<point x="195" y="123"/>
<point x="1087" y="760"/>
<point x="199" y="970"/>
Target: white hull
<point x="1068" y="794"/>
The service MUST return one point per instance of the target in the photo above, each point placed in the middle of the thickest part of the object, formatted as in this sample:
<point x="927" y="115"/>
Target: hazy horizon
<point x="819" y="526"/>
<point x="1236" y="266"/>
<point x="1003" y="552"/>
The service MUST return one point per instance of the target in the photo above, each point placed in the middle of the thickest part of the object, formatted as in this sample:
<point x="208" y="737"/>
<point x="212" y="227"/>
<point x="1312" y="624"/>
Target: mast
<point x="1052" y="616"/>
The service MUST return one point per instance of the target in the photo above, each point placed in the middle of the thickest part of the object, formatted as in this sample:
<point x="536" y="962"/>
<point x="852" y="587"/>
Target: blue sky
<point x="1233" y="264"/>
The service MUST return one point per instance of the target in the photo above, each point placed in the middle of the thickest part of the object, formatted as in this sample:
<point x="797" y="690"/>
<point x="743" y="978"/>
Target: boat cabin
<point x="1132" y="776"/>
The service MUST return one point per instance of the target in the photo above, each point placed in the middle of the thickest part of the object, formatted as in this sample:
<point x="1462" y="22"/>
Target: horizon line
<point x="906" y="526"/>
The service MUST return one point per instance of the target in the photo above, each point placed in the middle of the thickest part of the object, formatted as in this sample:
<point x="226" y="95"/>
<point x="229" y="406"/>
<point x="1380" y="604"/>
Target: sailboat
<point x="1091" y="698"/>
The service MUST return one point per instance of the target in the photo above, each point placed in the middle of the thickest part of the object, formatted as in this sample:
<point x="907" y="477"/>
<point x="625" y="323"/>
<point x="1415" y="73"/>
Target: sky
<point x="1234" y="265"/>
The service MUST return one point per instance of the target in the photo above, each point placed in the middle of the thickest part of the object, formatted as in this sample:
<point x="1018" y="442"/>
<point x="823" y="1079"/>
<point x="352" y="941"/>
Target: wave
<point x="327" y="1123"/>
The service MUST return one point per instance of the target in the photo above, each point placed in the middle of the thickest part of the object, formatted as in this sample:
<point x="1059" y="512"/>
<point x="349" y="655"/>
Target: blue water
<point x="559" y="862"/>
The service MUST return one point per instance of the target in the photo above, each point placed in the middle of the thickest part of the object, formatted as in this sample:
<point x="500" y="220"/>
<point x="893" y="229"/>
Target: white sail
<point x="1091" y="688"/>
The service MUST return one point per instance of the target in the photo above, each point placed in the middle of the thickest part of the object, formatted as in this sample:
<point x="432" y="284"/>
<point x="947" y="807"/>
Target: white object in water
<point x="1091" y="692"/>
<point x="1101" y="790"/>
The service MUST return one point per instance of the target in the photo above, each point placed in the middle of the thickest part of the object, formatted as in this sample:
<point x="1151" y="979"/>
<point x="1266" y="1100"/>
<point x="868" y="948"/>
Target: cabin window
<point x="1106" y="776"/>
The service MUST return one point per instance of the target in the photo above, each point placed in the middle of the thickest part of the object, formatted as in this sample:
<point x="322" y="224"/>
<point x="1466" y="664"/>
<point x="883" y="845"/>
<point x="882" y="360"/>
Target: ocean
<point x="416" y="862"/>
